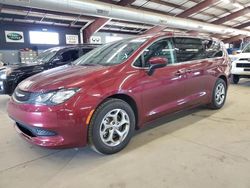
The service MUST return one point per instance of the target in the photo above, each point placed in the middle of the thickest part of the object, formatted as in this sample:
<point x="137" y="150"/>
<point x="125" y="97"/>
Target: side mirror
<point x="57" y="59"/>
<point x="156" y="63"/>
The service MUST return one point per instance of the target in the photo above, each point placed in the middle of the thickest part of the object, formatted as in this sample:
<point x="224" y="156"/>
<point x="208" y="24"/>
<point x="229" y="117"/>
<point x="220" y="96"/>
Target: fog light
<point x="43" y="132"/>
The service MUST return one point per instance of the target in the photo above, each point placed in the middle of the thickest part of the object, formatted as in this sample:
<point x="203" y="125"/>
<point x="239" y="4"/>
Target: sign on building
<point x="14" y="36"/>
<point x="95" y="40"/>
<point x="72" y="39"/>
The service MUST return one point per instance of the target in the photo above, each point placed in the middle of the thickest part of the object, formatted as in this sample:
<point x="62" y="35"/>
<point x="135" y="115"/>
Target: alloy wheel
<point x="220" y="94"/>
<point x="114" y="127"/>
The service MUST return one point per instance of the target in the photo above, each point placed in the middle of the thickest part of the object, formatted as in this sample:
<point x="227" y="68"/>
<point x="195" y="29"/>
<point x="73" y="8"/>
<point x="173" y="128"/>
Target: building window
<point x="39" y="37"/>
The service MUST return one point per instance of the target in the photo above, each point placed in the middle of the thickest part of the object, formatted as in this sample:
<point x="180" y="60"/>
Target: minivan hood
<point x="68" y="76"/>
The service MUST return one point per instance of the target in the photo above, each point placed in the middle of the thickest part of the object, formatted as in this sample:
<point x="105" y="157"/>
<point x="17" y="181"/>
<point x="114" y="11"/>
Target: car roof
<point x="80" y="46"/>
<point x="172" y="34"/>
<point x="75" y="46"/>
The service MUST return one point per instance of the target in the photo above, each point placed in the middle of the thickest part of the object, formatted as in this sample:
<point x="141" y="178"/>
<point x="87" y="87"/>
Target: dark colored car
<point x="108" y="93"/>
<point x="12" y="75"/>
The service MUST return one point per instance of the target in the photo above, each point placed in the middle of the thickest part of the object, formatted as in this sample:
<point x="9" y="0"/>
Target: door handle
<point x="180" y="72"/>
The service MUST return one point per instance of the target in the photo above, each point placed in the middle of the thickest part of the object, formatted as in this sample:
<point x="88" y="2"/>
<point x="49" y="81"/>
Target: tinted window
<point x="46" y="55"/>
<point x="84" y="51"/>
<point x="162" y="48"/>
<point x="212" y="48"/>
<point x="188" y="49"/>
<point x="70" y="55"/>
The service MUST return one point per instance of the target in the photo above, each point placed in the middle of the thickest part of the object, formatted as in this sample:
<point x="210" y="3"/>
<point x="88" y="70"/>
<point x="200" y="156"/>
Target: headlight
<point x="3" y="76"/>
<point x="4" y="73"/>
<point x="55" y="97"/>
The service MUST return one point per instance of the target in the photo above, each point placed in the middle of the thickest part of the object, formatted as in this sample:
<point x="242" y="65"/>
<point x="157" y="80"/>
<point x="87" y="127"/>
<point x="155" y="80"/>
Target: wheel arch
<point x="128" y="99"/>
<point x="223" y="77"/>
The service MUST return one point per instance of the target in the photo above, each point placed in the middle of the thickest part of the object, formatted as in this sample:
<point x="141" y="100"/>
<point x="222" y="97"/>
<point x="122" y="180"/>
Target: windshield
<point x="46" y="55"/>
<point x="246" y="49"/>
<point x="111" y="53"/>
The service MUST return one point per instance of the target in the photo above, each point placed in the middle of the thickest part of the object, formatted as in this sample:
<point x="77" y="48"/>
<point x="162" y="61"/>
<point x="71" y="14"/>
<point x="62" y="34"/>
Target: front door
<point x="163" y="92"/>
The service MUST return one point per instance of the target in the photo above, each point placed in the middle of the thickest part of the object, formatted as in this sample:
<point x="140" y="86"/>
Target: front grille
<point x="242" y="65"/>
<point x="21" y="96"/>
<point x="43" y="132"/>
<point x="35" y="131"/>
<point x="244" y="59"/>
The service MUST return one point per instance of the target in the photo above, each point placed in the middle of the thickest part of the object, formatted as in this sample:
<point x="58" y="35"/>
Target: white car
<point x="241" y="65"/>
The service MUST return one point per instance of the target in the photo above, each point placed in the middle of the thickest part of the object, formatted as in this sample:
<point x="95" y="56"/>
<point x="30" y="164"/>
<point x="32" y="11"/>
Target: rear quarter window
<point x="213" y="48"/>
<point x="188" y="49"/>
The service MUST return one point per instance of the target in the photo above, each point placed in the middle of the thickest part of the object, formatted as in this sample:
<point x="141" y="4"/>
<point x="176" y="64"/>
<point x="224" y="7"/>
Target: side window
<point x="188" y="49"/>
<point x="212" y="48"/>
<point x="162" y="48"/>
<point x="70" y="55"/>
<point x="83" y="51"/>
<point x="139" y="62"/>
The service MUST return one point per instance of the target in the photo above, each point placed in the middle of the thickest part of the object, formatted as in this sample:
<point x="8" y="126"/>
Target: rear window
<point x="212" y="48"/>
<point x="188" y="49"/>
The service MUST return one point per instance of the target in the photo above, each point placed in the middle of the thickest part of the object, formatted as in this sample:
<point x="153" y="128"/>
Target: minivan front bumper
<point x="46" y="126"/>
<point x="241" y="68"/>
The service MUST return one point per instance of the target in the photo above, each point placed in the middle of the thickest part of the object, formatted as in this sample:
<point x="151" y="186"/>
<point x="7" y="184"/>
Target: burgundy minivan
<point x="108" y="93"/>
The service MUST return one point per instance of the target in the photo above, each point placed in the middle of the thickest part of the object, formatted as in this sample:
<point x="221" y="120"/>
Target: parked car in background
<point x="12" y="75"/>
<point x="2" y="63"/>
<point x="102" y="97"/>
<point x="241" y="65"/>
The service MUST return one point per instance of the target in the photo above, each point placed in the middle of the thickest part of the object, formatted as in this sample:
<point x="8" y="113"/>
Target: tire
<point x="235" y="79"/>
<point x="219" y="95"/>
<point x="110" y="118"/>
